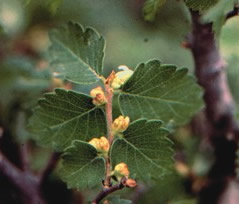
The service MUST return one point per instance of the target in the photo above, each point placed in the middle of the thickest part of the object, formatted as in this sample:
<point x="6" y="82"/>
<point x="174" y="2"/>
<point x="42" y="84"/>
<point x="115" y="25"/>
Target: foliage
<point x="77" y="54"/>
<point x="65" y="116"/>
<point x="145" y="148"/>
<point x="168" y="93"/>
<point x="66" y="120"/>
<point x="81" y="166"/>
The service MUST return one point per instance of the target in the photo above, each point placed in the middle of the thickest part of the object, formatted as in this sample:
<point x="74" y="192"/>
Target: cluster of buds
<point x="121" y="77"/>
<point x="120" y="124"/>
<point x="121" y="171"/>
<point x="101" y="144"/>
<point x="98" y="96"/>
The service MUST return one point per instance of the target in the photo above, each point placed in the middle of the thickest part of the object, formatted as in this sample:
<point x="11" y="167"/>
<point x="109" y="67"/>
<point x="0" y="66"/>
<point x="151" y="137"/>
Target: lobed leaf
<point x="77" y="54"/>
<point x="81" y="168"/>
<point x="65" y="116"/>
<point x="161" y="92"/>
<point x="145" y="148"/>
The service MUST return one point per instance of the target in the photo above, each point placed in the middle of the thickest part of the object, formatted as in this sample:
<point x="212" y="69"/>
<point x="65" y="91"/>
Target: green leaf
<point x="65" y="116"/>
<point x="151" y="8"/>
<point x="217" y="14"/>
<point x="145" y="148"/>
<point x="77" y="54"/>
<point x="200" y="5"/>
<point x="81" y="168"/>
<point x="162" y="92"/>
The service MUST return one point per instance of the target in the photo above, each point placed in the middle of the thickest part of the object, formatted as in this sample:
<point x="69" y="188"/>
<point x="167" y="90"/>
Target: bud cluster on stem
<point x="120" y="124"/>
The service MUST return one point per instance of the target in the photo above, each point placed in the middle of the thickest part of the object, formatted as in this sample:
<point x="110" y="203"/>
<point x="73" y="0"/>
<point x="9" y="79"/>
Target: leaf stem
<point x="110" y="136"/>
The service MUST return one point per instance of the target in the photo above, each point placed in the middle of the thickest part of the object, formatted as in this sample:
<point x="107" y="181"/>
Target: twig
<point x="26" y="182"/>
<point x="9" y="170"/>
<point x="107" y="191"/>
<point x="234" y="12"/>
<point x="108" y="110"/>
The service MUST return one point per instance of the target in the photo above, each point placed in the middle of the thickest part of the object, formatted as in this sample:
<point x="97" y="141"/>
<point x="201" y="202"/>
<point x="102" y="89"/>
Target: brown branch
<point x="107" y="191"/>
<point x="234" y="12"/>
<point x="222" y="129"/>
<point x="26" y="182"/>
<point x="23" y="148"/>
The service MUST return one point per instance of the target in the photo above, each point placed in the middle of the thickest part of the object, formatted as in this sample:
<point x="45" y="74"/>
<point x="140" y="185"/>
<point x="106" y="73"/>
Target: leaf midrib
<point x="74" y="118"/>
<point x="88" y="163"/>
<point x="153" y="98"/>
<point x="145" y="156"/>
<point x="78" y="58"/>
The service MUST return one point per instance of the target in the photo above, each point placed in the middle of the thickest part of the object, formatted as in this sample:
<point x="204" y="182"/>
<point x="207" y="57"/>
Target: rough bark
<point x="222" y="129"/>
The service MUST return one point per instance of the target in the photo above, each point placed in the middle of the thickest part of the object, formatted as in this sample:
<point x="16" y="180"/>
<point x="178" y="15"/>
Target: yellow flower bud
<point x="121" y="170"/>
<point x="120" y="124"/>
<point x="98" y="96"/>
<point x="121" y="77"/>
<point x="131" y="183"/>
<point x="101" y="144"/>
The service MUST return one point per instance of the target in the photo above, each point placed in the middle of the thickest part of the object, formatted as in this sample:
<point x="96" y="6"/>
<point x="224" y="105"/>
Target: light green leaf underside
<point x="81" y="168"/>
<point x="217" y="14"/>
<point x="145" y="149"/>
<point x="200" y="5"/>
<point x="162" y="92"/>
<point x="65" y="116"/>
<point x="151" y="8"/>
<point x="77" y="54"/>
